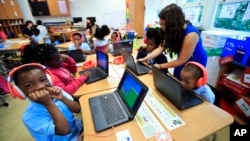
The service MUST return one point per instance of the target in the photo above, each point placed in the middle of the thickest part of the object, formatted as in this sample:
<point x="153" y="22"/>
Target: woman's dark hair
<point x="28" y="22"/>
<point x="155" y="35"/>
<point x="38" y="53"/>
<point x="172" y="37"/>
<point x="92" y="22"/>
<point x="100" y="33"/>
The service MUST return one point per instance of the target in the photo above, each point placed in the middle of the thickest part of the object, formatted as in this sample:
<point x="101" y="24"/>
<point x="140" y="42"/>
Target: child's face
<point x="113" y="37"/>
<point x="77" y="40"/>
<point x="55" y="61"/>
<point x="150" y="45"/>
<point x="32" y="81"/>
<point x="187" y="80"/>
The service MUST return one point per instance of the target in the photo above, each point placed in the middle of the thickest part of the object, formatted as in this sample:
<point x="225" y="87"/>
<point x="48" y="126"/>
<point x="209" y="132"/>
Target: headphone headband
<point x="203" y="80"/>
<point x="15" y="91"/>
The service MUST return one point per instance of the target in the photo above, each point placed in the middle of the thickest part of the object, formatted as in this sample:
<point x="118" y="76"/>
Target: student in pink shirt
<point x="62" y="66"/>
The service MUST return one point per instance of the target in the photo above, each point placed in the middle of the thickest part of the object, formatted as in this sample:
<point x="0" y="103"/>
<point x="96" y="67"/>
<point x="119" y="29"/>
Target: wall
<point x="106" y="11"/>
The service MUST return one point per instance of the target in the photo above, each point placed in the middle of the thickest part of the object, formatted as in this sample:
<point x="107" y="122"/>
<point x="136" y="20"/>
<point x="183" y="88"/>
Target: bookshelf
<point x="11" y="19"/>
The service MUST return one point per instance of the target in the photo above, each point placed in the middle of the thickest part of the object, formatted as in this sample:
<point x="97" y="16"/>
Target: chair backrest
<point x="217" y="95"/>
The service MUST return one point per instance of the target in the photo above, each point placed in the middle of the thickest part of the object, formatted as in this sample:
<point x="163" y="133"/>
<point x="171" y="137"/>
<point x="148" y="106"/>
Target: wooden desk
<point x="110" y="82"/>
<point x="64" y="46"/>
<point x="65" y="34"/>
<point x="12" y="45"/>
<point x="201" y="121"/>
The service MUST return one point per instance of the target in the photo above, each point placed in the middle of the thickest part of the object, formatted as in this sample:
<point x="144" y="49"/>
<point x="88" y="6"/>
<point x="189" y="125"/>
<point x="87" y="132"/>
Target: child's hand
<point x="77" y="46"/>
<point x="64" y="56"/>
<point x="86" y="73"/>
<point x="55" y="92"/>
<point x="41" y="96"/>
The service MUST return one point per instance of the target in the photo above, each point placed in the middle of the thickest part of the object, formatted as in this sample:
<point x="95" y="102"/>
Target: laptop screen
<point x="125" y="45"/>
<point x="102" y="60"/>
<point x="131" y="90"/>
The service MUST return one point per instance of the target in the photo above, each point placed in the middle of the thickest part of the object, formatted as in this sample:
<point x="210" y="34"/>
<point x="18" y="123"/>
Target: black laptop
<point x="136" y="67"/>
<point x="120" y="106"/>
<point x="77" y="55"/>
<point x="173" y="91"/>
<point x="101" y="71"/>
<point x="124" y="44"/>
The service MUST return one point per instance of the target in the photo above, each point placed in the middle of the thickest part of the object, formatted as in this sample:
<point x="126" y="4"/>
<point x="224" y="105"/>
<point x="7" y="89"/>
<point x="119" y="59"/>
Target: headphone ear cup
<point x="200" y="82"/>
<point x="17" y="92"/>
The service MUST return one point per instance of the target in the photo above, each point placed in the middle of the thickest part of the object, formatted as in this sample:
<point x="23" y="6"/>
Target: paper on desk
<point x="147" y="122"/>
<point x="168" y="117"/>
<point x="123" y="136"/>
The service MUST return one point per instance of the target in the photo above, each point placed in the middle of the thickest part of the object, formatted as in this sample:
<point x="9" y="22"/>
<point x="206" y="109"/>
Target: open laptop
<point x="77" y="55"/>
<point x="101" y="71"/>
<point x="136" y="67"/>
<point x="124" y="44"/>
<point x="120" y="106"/>
<point x="173" y="91"/>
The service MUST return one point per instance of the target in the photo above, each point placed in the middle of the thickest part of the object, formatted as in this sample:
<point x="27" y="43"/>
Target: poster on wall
<point x="247" y="13"/>
<point x="192" y="14"/>
<point x="62" y="7"/>
<point x="228" y="10"/>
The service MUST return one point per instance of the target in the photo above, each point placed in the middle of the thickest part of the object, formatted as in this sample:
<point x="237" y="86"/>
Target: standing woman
<point x="28" y="29"/>
<point x="179" y="37"/>
<point x="91" y="28"/>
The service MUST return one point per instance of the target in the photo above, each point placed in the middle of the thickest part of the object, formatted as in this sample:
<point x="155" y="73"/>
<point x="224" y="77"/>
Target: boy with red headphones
<point x="194" y="77"/>
<point x="49" y="114"/>
<point x="79" y="44"/>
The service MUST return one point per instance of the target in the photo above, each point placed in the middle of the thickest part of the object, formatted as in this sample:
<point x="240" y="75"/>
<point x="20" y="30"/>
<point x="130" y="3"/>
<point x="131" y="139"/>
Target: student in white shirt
<point x="43" y="29"/>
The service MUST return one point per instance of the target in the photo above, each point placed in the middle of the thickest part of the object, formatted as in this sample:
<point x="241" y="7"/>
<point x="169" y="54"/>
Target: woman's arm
<point x="93" y="29"/>
<point x="186" y="52"/>
<point x="153" y="54"/>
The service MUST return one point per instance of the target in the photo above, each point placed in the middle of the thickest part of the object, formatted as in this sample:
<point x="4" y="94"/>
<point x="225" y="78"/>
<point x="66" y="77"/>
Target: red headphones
<point x="203" y="80"/>
<point x="15" y="91"/>
<point x="118" y="38"/>
<point x="72" y="34"/>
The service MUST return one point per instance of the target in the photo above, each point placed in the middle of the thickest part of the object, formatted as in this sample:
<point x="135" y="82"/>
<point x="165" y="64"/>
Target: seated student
<point x="115" y="37"/>
<point x="194" y="77"/>
<point x="100" y="43"/>
<point x="3" y="36"/>
<point x="61" y="66"/>
<point x="78" y="40"/>
<point x="153" y="40"/>
<point x="49" y="115"/>
<point x="43" y="30"/>
<point x="36" y="37"/>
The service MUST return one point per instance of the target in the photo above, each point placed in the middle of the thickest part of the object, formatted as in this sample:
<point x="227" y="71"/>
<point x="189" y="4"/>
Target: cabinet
<point x="39" y="8"/>
<point x="11" y="19"/>
<point x="229" y="96"/>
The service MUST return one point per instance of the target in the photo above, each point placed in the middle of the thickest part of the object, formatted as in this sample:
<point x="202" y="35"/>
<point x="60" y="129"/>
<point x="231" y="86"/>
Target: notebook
<point x="101" y="71"/>
<point x="118" y="46"/>
<point x="137" y="67"/>
<point x="173" y="91"/>
<point x="77" y="55"/>
<point x="120" y="106"/>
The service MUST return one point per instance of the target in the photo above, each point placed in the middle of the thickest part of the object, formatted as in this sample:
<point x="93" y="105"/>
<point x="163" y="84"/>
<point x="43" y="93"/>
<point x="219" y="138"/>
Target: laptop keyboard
<point x="95" y="74"/>
<point x="141" y="68"/>
<point x="111" y="109"/>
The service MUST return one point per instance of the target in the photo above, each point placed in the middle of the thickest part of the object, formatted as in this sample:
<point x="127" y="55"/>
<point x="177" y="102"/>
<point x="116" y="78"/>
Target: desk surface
<point x="64" y="45"/>
<point x="15" y="44"/>
<point x="110" y="82"/>
<point x="201" y="121"/>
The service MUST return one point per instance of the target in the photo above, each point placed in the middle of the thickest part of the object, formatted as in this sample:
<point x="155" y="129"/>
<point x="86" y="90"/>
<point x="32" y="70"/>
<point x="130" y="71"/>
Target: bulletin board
<point x="233" y="16"/>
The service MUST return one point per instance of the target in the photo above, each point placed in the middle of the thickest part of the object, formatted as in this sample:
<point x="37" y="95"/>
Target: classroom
<point x="165" y="69"/>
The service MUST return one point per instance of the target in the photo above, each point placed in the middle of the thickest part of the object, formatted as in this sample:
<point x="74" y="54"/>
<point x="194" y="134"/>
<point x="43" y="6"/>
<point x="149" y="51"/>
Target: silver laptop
<point x="136" y="67"/>
<point x="120" y="106"/>
<point x="173" y="91"/>
<point x="101" y="71"/>
<point x="124" y="44"/>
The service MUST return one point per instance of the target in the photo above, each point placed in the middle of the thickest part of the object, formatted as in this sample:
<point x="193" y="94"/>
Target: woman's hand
<point x="158" y="66"/>
<point x="142" y="59"/>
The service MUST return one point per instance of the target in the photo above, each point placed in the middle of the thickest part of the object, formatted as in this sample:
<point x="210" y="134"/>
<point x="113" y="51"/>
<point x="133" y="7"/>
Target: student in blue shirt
<point x="194" y="78"/>
<point x="49" y="115"/>
<point x="36" y="37"/>
<point x="79" y="44"/>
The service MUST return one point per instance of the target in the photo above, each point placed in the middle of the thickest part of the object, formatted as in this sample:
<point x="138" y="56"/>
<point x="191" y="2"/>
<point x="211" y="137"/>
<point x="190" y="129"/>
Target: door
<point x="136" y="16"/>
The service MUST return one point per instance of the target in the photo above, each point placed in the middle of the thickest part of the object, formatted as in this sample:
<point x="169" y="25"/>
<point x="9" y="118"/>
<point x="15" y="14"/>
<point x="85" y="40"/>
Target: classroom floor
<point x="11" y="127"/>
